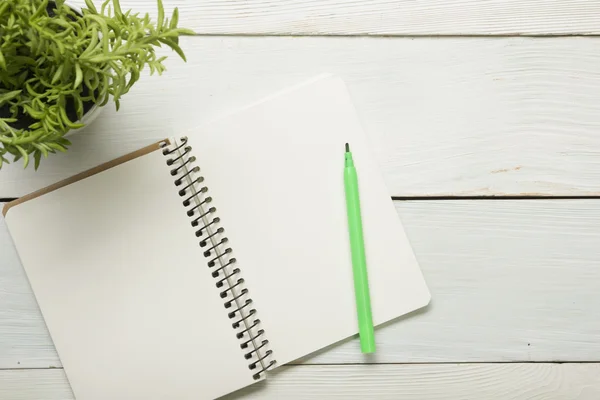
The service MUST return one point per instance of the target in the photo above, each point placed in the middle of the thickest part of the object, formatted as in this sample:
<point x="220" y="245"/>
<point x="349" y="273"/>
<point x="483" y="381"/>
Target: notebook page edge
<point x="85" y="174"/>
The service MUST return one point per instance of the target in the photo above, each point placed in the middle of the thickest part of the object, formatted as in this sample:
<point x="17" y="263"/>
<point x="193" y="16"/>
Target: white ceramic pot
<point x="87" y="119"/>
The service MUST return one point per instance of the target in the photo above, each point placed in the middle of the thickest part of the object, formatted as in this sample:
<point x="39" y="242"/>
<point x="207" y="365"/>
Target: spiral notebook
<point x="191" y="268"/>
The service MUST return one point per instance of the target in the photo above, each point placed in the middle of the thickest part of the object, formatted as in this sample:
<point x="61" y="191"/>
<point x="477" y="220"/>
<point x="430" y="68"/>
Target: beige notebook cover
<point x="188" y="278"/>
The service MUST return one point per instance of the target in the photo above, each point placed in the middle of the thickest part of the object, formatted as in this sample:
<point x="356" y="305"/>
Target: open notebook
<point x="188" y="268"/>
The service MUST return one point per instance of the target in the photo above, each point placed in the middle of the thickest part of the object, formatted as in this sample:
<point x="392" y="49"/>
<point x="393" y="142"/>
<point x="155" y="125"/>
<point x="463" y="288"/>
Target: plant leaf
<point x="57" y="146"/>
<point x="104" y="90"/>
<point x="58" y="74"/>
<point x="3" y="6"/>
<point x="161" y="16"/>
<point x="103" y="7"/>
<point x="174" y="19"/>
<point x="42" y="148"/>
<point x="32" y="112"/>
<point x="78" y="76"/>
<point x="65" y="119"/>
<point x="78" y="106"/>
<point x="169" y="42"/>
<point x="104" y="29"/>
<point x="40" y="10"/>
<point x="117" y="6"/>
<point x="135" y="76"/>
<point x="24" y="155"/>
<point x="4" y="97"/>
<point x="93" y="42"/>
<point x="37" y="157"/>
<point x="90" y="5"/>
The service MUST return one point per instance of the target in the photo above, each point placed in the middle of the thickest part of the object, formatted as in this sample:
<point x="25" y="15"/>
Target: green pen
<point x="359" y="261"/>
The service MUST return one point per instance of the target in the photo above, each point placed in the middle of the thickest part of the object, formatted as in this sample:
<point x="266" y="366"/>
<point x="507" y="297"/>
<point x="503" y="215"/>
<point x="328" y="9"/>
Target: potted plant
<point x="59" y="65"/>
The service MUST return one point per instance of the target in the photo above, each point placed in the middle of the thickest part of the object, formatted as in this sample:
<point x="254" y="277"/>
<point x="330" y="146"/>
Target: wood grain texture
<point x="383" y="17"/>
<point x="407" y="382"/>
<point x="449" y="116"/>
<point x="24" y="339"/>
<point x="510" y="281"/>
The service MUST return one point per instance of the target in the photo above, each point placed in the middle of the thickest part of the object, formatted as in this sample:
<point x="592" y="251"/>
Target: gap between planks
<point x="522" y="382"/>
<point x="457" y="363"/>
<point x="395" y="36"/>
<point x="437" y="198"/>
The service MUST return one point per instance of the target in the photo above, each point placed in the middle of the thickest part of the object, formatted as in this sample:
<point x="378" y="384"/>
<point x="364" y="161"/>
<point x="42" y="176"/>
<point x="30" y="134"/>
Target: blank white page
<point x="124" y="288"/>
<point x="275" y="172"/>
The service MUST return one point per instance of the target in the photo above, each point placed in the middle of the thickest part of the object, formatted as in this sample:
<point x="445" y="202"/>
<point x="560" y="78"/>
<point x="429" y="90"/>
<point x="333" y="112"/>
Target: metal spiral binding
<point x="220" y="260"/>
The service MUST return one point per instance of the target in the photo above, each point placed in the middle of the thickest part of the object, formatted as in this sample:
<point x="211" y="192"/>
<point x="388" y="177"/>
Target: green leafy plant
<point x="56" y="64"/>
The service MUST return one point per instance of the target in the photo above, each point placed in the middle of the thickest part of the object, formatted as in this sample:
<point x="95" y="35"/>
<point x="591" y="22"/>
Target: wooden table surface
<point x="484" y="117"/>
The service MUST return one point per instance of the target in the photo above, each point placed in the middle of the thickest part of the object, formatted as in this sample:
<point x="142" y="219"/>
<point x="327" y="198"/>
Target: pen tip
<point x="347" y="148"/>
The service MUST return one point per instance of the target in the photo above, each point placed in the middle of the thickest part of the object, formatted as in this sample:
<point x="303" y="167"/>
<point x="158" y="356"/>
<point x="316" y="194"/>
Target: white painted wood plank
<point x="24" y="339"/>
<point x="510" y="280"/>
<point x="34" y="384"/>
<point x="383" y="17"/>
<point x="418" y="382"/>
<point x="502" y="116"/>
